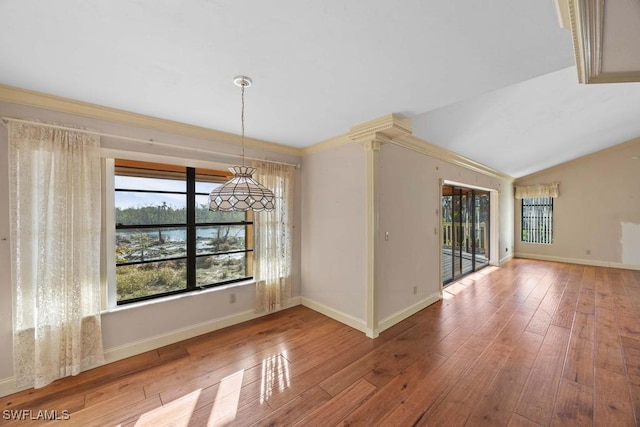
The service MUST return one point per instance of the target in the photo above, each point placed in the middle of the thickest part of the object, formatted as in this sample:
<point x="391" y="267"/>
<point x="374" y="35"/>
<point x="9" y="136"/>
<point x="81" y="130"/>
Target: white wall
<point x="506" y="220"/>
<point x="125" y="326"/>
<point x="599" y="201"/>
<point x="409" y="210"/>
<point x="334" y="239"/>
<point x="140" y="327"/>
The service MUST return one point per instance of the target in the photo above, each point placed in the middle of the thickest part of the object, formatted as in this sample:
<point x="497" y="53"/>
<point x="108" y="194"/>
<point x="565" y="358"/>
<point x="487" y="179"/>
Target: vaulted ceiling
<point x="483" y="79"/>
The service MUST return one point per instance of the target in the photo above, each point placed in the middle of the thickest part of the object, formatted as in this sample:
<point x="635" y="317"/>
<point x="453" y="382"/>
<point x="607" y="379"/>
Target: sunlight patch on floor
<point x="275" y="376"/>
<point x="447" y="295"/>
<point x="225" y="406"/>
<point x="175" y="413"/>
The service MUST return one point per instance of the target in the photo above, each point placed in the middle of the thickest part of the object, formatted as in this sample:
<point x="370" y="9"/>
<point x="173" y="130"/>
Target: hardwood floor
<point x="530" y="343"/>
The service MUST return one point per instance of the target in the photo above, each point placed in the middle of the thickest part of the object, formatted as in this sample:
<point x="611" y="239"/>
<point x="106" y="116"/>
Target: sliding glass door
<point x="465" y="231"/>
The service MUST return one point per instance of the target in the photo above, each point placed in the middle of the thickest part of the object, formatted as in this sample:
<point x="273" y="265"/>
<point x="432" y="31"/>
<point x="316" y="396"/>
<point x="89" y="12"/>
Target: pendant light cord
<point x="242" y="121"/>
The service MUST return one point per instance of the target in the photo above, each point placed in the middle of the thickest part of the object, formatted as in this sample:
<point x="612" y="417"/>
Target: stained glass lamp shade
<point x="241" y="193"/>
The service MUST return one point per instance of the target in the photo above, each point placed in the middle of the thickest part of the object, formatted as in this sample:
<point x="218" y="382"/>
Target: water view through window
<point x="167" y="240"/>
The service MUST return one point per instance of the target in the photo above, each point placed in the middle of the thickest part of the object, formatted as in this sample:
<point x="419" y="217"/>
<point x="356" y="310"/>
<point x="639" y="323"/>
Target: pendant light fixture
<point x="241" y="193"/>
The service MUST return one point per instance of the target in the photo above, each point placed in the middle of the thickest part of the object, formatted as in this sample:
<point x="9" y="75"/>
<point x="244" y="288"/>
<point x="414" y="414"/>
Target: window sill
<point x="159" y="300"/>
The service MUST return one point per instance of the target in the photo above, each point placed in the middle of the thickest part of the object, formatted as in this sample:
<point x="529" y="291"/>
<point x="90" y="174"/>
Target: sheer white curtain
<point x="273" y="239"/>
<point x="55" y="237"/>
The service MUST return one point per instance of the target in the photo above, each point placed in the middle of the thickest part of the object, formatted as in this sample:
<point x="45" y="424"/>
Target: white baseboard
<point x="505" y="259"/>
<point x="581" y="261"/>
<point x="341" y="317"/>
<point x="409" y="311"/>
<point x="138" y="347"/>
<point x="624" y="266"/>
<point x="7" y="385"/>
<point x="361" y="325"/>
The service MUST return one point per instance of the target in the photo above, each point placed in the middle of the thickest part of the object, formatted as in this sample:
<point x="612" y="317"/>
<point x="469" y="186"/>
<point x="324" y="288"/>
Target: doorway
<point x="465" y="231"/>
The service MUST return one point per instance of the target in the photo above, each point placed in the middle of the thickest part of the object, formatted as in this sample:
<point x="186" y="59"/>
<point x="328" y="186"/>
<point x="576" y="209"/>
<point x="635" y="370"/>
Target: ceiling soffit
<point x="605" y="36"/>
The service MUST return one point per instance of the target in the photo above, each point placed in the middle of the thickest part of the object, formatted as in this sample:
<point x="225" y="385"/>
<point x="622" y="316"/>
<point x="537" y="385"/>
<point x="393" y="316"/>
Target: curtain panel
<point x="55" y="196"/>
<point x="535" y="191"/>
<point x="273" y="239"/>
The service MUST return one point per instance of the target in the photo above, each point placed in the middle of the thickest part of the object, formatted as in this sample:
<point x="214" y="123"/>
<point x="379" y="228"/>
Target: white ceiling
<point x="536" y="124"/>
<point x="320" y="67"/>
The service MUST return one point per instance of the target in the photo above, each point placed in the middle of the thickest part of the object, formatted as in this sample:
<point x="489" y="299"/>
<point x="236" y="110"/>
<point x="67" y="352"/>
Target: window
<point x="537" y="220"/>
<point x="167" y="240"/>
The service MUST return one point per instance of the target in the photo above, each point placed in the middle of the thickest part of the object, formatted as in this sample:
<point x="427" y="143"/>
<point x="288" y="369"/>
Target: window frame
<point x="191" y="175"/>
<point x="545" y="220"/>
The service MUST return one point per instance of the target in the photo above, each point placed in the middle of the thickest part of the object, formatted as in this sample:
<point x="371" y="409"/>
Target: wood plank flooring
<point x="530" y="343"/>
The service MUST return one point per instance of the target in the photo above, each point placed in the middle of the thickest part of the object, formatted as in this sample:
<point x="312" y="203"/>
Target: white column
<point x="372" y="149"/>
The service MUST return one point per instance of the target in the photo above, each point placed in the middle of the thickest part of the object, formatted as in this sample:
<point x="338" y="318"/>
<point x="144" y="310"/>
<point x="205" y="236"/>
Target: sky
<point x="129" y="199"/>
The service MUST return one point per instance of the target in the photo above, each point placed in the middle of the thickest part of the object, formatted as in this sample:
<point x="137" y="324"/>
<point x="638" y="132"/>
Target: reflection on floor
<point x="467" y="266"/>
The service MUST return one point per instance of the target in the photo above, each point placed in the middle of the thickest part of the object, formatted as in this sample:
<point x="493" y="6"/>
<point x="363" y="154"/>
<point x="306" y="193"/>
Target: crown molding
<point x="327" y="144"/>
<point x="51" y="102"/>
<point x="566" y="10"/>
<point x="587" y="25"/>
<point x="616" y="77"/>
<point x="585" y="19"/>
<point x="393" y="129"/>
<point x="390" y="125"/>
<point x="381" y="129"/>
<point x="564" y="18"/>
<point x="421" y="146"/>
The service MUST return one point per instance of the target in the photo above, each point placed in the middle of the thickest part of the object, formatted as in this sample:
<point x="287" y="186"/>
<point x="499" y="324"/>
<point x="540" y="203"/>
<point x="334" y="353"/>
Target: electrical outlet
<point x="415" y="290"/>
<point x="232" y="298"/>
<point x="386" y="235"/>
<point x="588" y="251"/>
